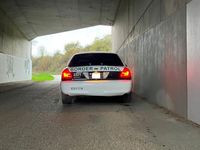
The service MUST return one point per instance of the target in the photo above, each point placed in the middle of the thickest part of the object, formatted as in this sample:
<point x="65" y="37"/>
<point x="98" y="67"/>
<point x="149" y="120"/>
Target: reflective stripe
<point x="96" y="68"/>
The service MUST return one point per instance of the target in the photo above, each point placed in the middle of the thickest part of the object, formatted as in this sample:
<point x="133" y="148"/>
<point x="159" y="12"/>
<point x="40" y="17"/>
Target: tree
<point x="74" y="46"/>
<point x="54" y="64"/>
<point x="103" y="44"/>
<point x="42" y="51"/>
<point x="71" y="49"/>
<point x="57" y="53"/>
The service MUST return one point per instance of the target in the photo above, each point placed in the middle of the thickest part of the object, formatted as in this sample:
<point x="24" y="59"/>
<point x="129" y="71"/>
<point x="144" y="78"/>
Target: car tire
<point x="67" y="99"/>
<point x="127" y="98"/>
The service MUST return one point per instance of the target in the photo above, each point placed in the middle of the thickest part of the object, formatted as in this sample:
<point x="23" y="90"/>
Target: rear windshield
<point x="95" y="59"/>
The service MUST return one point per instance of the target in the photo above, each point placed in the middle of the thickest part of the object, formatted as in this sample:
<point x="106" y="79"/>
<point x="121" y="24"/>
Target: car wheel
<point x="67" y="99"/>
<point x="127" y="98"/>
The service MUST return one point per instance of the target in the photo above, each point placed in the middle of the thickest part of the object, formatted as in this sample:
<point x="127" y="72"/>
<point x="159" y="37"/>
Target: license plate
<point x="96" y="75"/>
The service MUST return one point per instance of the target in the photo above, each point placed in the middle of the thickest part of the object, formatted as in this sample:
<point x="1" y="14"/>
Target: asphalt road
<point x="33" y="118"/>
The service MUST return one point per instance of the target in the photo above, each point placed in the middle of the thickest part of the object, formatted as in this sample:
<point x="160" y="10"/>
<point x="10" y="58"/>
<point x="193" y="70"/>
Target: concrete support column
<point x="15" y="52"/>
<point x="193" y="58"/>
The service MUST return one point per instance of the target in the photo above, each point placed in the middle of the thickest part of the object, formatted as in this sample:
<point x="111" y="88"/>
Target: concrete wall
<point x="15" y="52"/>
<point x="193" y="71"/>
<point x="150" y="35"/>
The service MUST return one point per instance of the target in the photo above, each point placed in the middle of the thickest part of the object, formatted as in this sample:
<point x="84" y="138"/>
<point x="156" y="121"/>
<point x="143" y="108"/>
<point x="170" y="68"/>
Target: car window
<point x="96" y="59"/>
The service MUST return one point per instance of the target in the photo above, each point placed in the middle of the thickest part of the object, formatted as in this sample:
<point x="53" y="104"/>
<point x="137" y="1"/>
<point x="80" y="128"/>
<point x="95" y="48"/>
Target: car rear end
<point x="95" y="74"/>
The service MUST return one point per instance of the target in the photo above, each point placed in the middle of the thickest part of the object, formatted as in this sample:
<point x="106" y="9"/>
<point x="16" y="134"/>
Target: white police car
<point x="95" y="74"/>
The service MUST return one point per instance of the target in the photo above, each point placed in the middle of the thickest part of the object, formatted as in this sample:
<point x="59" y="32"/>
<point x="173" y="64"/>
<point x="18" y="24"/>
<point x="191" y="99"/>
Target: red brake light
<point x="125" y="74"/>
<point x="67" y="75"/>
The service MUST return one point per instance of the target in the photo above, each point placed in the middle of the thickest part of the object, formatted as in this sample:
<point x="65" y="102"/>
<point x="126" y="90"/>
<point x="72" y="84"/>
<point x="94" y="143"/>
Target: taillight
<point x="125" y="74"/>
<point x="67" y="75"/>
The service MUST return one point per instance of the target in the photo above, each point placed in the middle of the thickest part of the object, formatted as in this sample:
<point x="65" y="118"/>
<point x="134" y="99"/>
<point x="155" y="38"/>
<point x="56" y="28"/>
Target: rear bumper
<point x="96" y="87"/>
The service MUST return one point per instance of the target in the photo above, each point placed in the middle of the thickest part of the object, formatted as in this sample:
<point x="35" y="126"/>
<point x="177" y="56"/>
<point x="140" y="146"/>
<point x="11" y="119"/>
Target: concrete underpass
<point x="158" y="39"/>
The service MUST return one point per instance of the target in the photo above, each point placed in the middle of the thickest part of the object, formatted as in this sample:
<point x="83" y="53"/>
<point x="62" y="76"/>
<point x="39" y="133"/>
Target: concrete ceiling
<point x="41" y="17"/>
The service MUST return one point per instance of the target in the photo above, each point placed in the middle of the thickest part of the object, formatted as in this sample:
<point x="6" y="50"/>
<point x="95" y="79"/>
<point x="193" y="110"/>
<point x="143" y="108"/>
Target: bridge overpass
<point x="156" y="38"/>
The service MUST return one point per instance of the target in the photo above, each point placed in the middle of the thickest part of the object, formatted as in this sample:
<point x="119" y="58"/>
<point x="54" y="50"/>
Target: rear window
<point x="95" y="59"/>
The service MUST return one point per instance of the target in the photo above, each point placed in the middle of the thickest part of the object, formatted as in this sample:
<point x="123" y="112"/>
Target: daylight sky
<point x="55" y="42"/>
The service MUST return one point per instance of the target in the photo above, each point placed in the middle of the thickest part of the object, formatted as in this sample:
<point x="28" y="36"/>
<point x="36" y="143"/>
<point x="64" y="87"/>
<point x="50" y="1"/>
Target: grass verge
<point x="40" y="77"/>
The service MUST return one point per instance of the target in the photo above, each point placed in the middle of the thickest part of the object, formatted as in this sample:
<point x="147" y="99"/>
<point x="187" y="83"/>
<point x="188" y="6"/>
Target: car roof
<point x="94" y="53"/>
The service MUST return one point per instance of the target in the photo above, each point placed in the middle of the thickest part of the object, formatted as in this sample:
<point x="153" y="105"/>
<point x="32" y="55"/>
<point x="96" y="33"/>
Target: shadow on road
<point x="96" y="104"/>
<point x="95" y="100"/>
